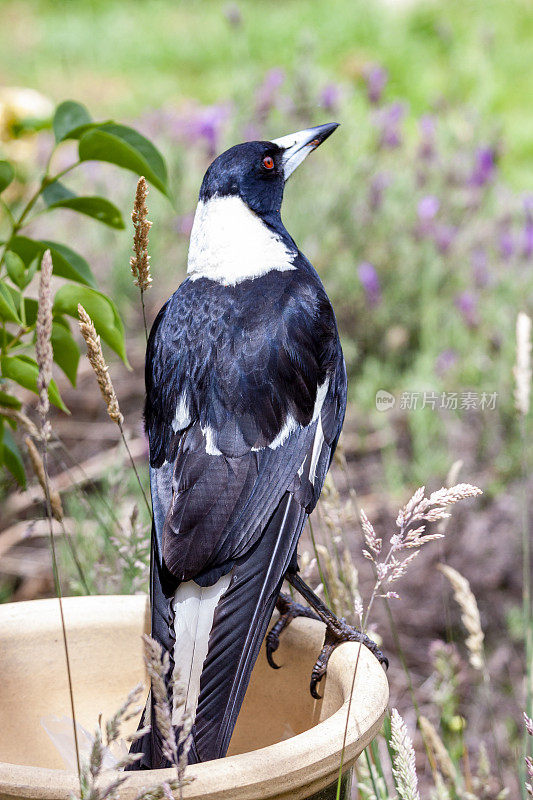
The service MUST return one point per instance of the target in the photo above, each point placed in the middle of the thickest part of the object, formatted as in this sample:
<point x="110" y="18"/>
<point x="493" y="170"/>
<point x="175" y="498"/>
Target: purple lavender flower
<point x="427" y="127"/>
<point x="203" y="123"/>
<point x="428" y="207"/>
<point x="370" y="283"/>
<point x="445" y="361"/>
<point x="466" y="303"/>
<point x="506" y="241"/>
<point x="378" y="184"/>
<point x="389" y="122"/>
<point x="330" y="97"/>
<point x="527" y="249"/>
<point x="480" y="270"/>
<point x="267" y="92"/>
<point x="376" y="78"/>
<point x="444" y="236"/>
<point x="209" y="127"/>
<point x="484" y="166"/>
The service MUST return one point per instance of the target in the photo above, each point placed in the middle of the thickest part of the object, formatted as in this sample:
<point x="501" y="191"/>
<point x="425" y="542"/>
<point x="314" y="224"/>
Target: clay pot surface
<point x="285" y="745"/>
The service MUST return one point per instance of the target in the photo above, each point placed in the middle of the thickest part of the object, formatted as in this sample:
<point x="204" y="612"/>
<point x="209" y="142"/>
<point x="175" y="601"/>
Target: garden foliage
<point x="21" y="256"/>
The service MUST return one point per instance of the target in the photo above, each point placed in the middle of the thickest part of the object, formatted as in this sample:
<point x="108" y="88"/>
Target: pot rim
<point x="299" y="766"/>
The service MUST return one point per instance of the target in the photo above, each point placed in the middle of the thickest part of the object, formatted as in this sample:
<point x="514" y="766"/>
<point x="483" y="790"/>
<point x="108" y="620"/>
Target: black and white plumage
<point x="245" y="399"/>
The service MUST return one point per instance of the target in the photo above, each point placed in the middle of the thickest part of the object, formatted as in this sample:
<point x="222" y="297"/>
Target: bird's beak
<point x="297" y="146"/>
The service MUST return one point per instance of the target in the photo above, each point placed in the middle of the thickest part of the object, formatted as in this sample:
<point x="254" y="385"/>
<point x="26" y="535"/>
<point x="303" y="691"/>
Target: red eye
<point x="268" y="162"/>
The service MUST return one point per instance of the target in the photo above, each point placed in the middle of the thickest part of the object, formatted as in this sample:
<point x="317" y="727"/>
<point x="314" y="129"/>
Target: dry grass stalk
<point x="411" y="521"/>
<point x="404" y="768"/>
<point x="157" y="665"/>
<point x="529" y="761"/>
<point x="440" y="792"/>
<point x="470" y="614"/>
<point x="166" y="712"/>
<point x="140" y="261"/>
<point x="92" y="787"/>
<point x="43" y="346"/>
<point x="100" y="368"/>
<point x="441" y="755"/>
<point x="39" y="469"/>
<point x="21" y="418"/>
<point x="127" y="711"/>
<point x="522" y="368"/>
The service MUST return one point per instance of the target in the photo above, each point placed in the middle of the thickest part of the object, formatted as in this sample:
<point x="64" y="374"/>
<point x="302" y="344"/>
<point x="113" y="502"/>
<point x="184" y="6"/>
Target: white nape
<point x="194" y="610"/>
<point x="230" y="243"/>
<point x="182" y="417"/>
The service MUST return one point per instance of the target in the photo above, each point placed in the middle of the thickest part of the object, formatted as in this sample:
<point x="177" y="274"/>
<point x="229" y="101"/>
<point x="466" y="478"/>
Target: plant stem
<point x="319" y="566"/>
<point x="526" y="598"/>
<point x="144" y="316"/>
<point x="59" y="595"/>
<point x="75" y="558"/>
<point x="147" y="504"/>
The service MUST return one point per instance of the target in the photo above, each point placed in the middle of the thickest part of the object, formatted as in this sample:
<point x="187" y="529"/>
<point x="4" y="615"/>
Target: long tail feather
<point x="239" y="627"/>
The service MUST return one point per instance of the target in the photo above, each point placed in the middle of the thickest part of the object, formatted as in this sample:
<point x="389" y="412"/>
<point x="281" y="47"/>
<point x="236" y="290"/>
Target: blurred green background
<point x="417" y="213"/>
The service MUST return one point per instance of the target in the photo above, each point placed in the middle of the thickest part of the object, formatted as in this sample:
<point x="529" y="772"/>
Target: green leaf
<point x="66" y="351"/>
<point x="12" y="458"/>
<point x="96" y="207"/>
<point x="70" y="121"/>
<point x="100" y="308"/>
<point x="8" y="309"/>
<point x="7" y="173"/>
<point x="67" y="263"/>
<point x="126" y="148"/>
<point x="31" y="306"/>
<point x="24" y="371"/>
<point x="16" y="269"/>
<point x="56" y="191"/>
<point x="9" y="401"/>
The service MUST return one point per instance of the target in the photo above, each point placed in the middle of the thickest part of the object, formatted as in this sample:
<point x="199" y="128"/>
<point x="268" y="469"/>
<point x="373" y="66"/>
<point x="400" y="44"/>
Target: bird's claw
<point x="288" y="609"/>
<point x="337" y="633"/>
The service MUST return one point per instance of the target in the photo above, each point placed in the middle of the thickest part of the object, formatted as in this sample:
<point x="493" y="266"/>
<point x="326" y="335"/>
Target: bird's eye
<point x="268" y="162"/>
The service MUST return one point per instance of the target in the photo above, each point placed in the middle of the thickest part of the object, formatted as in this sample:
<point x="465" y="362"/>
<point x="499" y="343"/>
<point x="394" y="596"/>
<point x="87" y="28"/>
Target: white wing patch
<point x="229" y="243"/>
<point x="182" y="417"/>
<point x="321" y="393"/>
<point x="317" y="449"/>
<point x="194" y="608"/>
<point x="290" y="426"/>
<point x="210" y="447"/>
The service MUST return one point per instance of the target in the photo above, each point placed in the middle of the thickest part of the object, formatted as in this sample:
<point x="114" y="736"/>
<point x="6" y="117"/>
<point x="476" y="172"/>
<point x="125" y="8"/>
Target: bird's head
<point x="256" y="172"/>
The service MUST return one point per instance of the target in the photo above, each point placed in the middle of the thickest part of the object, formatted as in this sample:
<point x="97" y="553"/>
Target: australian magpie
<point x="245" y="400"/>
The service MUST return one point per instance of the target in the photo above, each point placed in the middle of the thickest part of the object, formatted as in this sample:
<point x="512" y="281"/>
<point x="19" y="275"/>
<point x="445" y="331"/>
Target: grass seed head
<point x="43" y="346"/>
<point x="404" y="768"/>
<point x="469" y="614"/>
<point x="140" y="261"/>
<point x="100" y="368"/>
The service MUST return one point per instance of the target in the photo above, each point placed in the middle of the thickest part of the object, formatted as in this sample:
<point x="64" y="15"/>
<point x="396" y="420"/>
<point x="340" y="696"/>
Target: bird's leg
<point x="288" y="610"/>
<point x="337" y="632"/>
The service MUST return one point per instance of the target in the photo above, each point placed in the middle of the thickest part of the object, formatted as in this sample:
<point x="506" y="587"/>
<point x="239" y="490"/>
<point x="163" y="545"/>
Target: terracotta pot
<point x="286" y="745"/>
